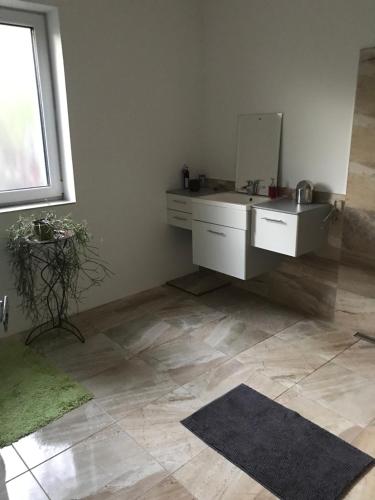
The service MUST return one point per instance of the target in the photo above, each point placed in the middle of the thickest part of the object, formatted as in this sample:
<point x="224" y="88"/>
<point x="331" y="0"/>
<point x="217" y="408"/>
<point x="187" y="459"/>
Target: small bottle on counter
<point x="272" y="189"/>
<point x="185" y="176"/>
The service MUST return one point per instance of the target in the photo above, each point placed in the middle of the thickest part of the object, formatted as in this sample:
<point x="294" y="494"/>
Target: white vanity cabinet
<point x="244" y="236"/>
<point x="284" y="227"/>
<point x="221" y="236"/>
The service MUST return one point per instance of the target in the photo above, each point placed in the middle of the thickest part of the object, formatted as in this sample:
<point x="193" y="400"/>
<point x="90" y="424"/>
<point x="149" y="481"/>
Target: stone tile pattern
<point x="355" y="303"/>
<point x="153" y="359"/>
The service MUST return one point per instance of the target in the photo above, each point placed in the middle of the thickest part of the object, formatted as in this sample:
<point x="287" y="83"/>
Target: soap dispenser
<point x="272" y="189"/>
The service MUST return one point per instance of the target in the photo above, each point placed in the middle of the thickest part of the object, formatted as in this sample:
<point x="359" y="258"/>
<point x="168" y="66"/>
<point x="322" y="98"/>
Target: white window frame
<point x="43" y="20"/>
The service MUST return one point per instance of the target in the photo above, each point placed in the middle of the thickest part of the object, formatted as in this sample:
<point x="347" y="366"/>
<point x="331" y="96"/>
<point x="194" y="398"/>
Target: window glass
<point x="22" y="157"/>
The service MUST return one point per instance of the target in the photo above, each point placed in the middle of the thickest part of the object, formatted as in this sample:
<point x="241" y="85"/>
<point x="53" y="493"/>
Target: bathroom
<point x="152" y="85"/>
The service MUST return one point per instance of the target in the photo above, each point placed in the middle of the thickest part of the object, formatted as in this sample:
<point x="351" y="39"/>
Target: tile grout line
<point x="314" y="370"/>
<point x="23" y="461"/>
<point x="41" y="487"/>
<point x="317" y="402"/>
<point x="30" y="469"/>
<point x="327" y="362"/>
<point x="25" y="472"/>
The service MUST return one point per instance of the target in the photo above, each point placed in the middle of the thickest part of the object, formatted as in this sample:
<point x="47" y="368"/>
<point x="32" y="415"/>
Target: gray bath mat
<point x="200" y="282"/>
<point x="289" y="455"/>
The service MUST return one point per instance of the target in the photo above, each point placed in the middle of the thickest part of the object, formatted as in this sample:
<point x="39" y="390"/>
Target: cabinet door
<point x="274" y="231"/>
<point x="220" y="248"/>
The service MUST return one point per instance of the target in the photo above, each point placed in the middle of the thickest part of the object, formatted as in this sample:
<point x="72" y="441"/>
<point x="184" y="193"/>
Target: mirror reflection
<point x="258" y="150"/>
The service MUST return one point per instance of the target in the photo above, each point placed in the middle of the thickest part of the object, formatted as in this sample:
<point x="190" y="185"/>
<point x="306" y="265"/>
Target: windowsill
<point x="32" y="206"/>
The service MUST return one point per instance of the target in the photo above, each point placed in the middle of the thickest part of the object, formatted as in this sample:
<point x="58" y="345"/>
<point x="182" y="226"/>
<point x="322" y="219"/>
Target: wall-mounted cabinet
<point x="284" y="227"/>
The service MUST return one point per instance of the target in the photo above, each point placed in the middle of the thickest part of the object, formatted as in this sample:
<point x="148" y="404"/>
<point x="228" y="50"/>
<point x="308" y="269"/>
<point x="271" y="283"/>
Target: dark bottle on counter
<point x="272" y="190"/>
<point x="185" y="176"/>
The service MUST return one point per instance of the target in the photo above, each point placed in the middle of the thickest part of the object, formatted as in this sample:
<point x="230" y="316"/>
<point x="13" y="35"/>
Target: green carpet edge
<point x="83" y="395"/>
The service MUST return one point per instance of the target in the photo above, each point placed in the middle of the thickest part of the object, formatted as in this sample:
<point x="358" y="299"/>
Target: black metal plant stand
<point x="51" y="257"/>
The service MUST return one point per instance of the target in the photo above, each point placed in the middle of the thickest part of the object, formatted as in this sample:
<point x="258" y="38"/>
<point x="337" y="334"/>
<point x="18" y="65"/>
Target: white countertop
<point x="288" y="206"/>
<point x="231" y="199"/>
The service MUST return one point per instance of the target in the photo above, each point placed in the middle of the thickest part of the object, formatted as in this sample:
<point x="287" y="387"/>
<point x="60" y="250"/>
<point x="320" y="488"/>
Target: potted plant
<point x="54" y="264"/>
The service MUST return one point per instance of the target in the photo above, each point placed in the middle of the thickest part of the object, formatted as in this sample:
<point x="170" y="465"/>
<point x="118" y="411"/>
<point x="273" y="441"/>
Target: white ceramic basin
<point x="231" y="199"/>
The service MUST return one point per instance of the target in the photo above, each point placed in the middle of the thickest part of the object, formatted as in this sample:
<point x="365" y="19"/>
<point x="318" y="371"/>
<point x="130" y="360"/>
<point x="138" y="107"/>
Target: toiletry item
<point x="304" y="192"/>
<point x="185" y="176"/>
<point x="194" y="185"/>
<point x="272" y="189"/>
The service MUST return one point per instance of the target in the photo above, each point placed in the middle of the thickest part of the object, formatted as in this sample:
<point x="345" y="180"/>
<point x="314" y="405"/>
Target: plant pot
<point x="43" y="230"/>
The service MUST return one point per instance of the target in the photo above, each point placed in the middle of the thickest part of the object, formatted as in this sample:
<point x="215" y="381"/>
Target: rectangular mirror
<point x="258" y="150"/>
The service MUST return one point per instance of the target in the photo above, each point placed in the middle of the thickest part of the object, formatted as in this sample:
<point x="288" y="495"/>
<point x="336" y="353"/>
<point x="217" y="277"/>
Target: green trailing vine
<point x="75" y="264"/>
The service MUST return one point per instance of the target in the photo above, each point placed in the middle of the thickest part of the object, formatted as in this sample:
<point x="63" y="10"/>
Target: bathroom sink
<point x="232" y="199"/>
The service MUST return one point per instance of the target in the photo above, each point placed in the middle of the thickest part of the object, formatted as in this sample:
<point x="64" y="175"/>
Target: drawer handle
<point x="180" y="202"/>
<point x="179" y="218"/>
<point x="216" y="232"/>
<point x="278" y="221"/>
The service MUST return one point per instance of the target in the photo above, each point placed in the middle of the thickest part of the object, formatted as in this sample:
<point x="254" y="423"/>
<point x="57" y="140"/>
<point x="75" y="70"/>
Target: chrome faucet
<point x="249" y="187"/>
<point x="252" y="187"/>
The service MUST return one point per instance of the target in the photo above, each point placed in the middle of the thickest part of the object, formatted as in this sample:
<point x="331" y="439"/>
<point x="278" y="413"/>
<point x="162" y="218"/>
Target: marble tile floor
<point x="153" y="359"/>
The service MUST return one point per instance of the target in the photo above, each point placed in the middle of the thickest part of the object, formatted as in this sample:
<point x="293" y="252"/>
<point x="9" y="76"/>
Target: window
<point x="35" y="158"/>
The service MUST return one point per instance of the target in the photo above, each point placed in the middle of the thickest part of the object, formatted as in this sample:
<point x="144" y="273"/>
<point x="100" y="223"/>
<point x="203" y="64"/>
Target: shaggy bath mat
<point x="289" y="455"/>
<point x="32" y="392"/>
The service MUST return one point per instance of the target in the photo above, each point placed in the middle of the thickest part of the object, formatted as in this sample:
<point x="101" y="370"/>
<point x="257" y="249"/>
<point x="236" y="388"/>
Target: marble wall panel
<point x="355" y="304"/>
<point x="338" y="282"/>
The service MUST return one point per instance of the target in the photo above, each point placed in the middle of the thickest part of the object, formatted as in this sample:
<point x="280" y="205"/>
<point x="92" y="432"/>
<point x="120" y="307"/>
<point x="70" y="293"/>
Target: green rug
<point x="32" y="392"/>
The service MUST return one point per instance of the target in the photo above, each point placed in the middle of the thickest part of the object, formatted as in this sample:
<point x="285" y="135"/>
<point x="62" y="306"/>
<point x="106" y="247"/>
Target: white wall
<point x="140" y="106"/>
<point x="295" y="56"/>
<point x="133" y="71"/>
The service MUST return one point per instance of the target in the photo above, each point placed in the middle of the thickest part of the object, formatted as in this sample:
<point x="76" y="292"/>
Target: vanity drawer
<point x="178" y="202"/>
<point x="274" y="231"/>
<point x="220" y="248"/>
<point x="223" y="216"/>
<point x="179" y="219"/>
